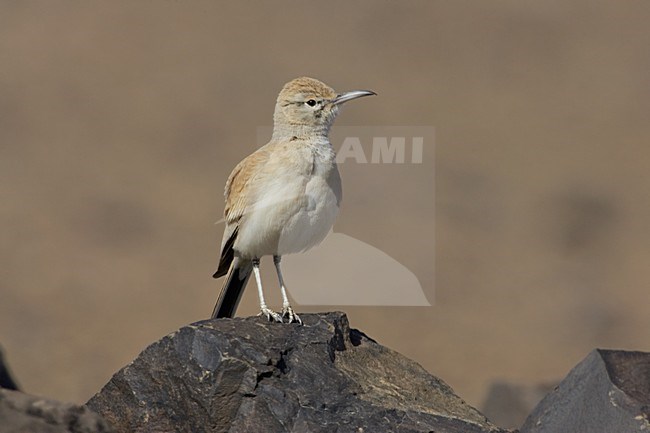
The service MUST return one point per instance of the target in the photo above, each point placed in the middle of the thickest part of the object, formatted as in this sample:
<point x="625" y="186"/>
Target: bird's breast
<point x="295" y="206"/>
<point x="314" y="220"/>
<point x="322" y="196"/>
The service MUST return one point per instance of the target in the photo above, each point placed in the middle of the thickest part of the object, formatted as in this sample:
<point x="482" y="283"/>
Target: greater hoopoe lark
<point x="284" y="197"/>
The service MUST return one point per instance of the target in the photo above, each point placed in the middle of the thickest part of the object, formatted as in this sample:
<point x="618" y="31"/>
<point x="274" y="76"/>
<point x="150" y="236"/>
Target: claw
<point x="271" y="315"/>
<point x="290" y="315"/>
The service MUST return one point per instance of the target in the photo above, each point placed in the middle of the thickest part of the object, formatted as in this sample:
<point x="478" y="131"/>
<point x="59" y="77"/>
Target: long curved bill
<point x="348" y="96"/>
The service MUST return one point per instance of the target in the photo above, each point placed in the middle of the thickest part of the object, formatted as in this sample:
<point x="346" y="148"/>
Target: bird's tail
<point x="233" y="288"/>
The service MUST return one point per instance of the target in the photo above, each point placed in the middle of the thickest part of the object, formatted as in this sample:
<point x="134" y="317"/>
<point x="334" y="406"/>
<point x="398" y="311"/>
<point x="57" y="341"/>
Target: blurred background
<point x="120" y="122"/>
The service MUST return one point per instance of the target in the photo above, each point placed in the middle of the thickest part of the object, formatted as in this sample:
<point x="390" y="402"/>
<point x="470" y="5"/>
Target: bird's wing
<point x="238" y="186"/>
<point x="238" y="199"/>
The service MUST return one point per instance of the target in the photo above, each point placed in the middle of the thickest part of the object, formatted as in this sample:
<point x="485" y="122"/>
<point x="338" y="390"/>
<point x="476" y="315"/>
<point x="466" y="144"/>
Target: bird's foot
<point x="290" y="315"/>
<point x="271" y="315"/>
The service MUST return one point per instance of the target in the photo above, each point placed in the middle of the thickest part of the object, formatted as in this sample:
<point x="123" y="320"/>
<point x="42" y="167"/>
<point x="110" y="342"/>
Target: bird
<point x="284" y="197"/>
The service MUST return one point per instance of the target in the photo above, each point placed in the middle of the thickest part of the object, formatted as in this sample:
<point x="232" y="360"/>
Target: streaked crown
<point x="303" y="88"/>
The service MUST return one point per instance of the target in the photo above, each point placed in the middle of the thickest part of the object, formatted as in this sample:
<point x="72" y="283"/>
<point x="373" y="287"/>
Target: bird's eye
<point x="311" y="102"/>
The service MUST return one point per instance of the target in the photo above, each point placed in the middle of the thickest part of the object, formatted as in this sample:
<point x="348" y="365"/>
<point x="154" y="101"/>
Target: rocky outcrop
<point x="6" y="379"/>
<point x="609" y="391"/>
<point x="249" y="375"/>
<point x="22" y="413"/>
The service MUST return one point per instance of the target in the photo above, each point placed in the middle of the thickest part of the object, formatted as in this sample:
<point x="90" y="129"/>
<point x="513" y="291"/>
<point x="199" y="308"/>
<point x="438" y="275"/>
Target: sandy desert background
<point x="526" y="223"/>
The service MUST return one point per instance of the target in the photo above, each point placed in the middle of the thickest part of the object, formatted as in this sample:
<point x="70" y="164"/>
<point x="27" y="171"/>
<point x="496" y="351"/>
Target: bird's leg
<point x="287" y="311"/>
<point x="266" y="311"/>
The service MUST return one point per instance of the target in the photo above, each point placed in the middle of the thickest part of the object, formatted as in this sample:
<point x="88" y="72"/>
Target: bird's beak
<point x="348" y="96"/>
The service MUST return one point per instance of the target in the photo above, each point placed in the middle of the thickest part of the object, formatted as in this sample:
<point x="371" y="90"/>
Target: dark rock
<point x="508" y="404"/>
<point x="25" y="413"/>
<point x="6" y="380"/>
<point x="608" y="392"/>
<point x="249" y="375"/>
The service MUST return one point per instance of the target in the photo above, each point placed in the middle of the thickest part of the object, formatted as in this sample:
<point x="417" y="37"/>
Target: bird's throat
<point x="290" y="132"/>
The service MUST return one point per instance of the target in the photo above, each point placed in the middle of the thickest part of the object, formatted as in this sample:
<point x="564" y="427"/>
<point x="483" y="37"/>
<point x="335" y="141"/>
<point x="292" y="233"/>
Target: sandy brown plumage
<point x="284" y="197"/>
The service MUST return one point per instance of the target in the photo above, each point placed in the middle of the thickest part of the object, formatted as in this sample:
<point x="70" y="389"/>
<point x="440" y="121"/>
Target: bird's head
<point x="306" y="103"/>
